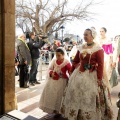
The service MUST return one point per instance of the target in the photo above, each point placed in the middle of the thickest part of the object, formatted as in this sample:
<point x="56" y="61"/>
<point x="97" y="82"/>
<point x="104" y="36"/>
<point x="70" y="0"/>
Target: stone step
<point x="20" y="115"/>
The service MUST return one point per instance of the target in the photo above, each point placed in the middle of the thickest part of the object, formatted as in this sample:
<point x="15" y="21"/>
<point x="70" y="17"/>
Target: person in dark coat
<point x="34" y="46"/>
<point x="24" y="60"/>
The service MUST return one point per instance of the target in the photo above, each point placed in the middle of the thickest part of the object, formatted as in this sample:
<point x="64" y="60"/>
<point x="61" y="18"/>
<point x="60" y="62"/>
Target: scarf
<point x="24" y="43"/>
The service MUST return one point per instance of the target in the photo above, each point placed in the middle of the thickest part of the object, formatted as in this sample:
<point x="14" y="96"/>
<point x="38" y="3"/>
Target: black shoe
<point x="57" y="115"/>
<point x="31" y="83"/>
<point x="24" y="86"/>
<point x="36" y="82"/>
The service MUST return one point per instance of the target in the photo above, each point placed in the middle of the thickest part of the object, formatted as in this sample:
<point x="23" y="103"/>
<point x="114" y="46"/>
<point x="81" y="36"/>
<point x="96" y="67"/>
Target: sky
<point x="108" y="16"/>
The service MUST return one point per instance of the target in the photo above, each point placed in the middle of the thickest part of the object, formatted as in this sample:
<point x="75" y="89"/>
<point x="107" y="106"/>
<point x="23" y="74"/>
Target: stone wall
<point x="7" y="52"/>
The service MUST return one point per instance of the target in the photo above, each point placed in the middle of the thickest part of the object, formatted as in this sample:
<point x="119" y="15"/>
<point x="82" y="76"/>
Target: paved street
<point x="28" y="99"/>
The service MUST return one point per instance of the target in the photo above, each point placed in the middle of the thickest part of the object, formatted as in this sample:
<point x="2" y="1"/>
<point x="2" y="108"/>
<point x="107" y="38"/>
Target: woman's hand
<point x="17" y="63"/>
<point x="53" y="75"/>
<point x="113" y="64"/>
<point x="25" y="62"/>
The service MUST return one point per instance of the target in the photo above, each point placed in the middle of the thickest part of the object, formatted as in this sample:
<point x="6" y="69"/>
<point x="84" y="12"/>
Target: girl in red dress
<point x="56" y="82"/>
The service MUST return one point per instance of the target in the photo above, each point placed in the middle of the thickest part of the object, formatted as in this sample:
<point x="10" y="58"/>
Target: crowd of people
<point x="47" y="51"/>
<point x="28" y="55"/>
<point x="78" y="85"/>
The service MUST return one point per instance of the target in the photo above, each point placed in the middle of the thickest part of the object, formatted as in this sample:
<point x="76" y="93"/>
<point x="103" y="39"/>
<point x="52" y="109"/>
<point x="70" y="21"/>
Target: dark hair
<point x="60" y="50"/>
<point x="88" y="29"/>
<point x="104" y="29"/>
<point x="31" y="34"/>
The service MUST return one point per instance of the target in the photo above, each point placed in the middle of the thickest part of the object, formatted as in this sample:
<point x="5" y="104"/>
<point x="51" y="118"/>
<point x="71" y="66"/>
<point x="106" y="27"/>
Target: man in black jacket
<point x="24" y="60"/>
<point x="34" y="46"/>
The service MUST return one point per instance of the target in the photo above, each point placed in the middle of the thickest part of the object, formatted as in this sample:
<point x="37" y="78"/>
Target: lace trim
<point x="105" y="41"/>
<point x="95" y="48"/>
<point x="57" y="68"/>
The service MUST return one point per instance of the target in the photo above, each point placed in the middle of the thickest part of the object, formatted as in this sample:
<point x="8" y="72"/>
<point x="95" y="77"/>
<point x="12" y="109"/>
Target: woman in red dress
<point x="85" y="97"/>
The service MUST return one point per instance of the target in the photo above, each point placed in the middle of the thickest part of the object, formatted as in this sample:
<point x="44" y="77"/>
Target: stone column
<point x="1" y="62"/>
<point x="7" y="52"/>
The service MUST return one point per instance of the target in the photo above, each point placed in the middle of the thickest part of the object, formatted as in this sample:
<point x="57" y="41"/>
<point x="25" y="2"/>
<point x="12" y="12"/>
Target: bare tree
<point x="44" y="15"/>
<point x="23" y="24"/>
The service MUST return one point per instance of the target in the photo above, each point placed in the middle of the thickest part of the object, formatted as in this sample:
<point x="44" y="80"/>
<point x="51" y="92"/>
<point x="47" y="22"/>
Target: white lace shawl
<point x="95" y="48"/>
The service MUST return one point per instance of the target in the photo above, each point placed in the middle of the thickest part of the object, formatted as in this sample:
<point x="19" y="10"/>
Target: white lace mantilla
<point x="95" y="48"/>
<point x="57" y="68"/>
<point x="105" y="41"/>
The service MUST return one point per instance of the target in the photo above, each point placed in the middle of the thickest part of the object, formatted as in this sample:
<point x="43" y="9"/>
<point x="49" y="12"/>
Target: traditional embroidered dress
<point x="118" y="55"/>
<point x="54" y="88"/>
<point x="107" y="46"/>
<point x="83" y="98"/>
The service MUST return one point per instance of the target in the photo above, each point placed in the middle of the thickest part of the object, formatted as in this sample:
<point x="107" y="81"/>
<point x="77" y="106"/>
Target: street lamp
<point x="77" y="38"/>
<point x="56" y="35"/>
<point x="62" y="27"/>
